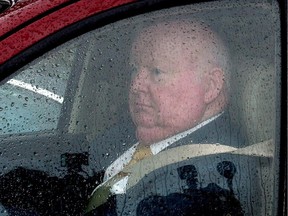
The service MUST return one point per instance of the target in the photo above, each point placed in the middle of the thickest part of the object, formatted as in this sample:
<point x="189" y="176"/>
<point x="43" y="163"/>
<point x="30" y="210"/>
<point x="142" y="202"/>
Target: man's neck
<point x="159" y="146"/>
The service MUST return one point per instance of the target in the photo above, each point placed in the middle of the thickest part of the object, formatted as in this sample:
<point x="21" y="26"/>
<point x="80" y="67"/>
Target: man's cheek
<point x="168" y="110"/>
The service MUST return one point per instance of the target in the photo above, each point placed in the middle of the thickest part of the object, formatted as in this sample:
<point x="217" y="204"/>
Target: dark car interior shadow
<point x="33" y="192"/>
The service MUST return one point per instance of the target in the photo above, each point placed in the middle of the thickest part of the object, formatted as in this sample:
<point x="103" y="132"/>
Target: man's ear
<point x="215" y="82"/>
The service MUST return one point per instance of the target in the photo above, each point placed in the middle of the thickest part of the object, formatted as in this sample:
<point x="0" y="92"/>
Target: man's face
<point x="168" y="86"/>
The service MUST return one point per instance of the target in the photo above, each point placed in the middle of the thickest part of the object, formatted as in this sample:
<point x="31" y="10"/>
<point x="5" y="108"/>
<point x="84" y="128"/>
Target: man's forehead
<point x="187" y="36"/>
<point x="174" y="30"/>
<point x="177" y="37"/>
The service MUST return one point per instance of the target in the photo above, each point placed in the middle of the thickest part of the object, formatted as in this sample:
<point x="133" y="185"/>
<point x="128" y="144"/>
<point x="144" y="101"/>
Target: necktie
<point x="141" y="152"/>
<point x="102" y="193"/>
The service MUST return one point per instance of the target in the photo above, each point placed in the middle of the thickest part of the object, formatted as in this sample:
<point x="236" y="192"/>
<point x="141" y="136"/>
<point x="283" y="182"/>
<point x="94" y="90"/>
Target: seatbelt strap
<point x="137" y="171"/>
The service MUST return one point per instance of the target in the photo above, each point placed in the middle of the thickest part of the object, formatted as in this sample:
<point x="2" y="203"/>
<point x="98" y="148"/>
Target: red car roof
<point x="28" y="24"/>
<point x="25" y="11"/>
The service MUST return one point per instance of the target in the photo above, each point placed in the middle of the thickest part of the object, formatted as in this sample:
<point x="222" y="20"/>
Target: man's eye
<point x="156" y="72"/>
<point x="158" y="75"/>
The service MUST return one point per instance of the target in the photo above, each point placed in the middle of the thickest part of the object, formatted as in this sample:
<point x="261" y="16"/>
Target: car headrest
<point x="254" y="98"/>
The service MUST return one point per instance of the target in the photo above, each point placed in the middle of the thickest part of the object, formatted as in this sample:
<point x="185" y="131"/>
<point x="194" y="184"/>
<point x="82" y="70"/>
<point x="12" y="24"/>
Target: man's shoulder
<point x="221" y="130"/>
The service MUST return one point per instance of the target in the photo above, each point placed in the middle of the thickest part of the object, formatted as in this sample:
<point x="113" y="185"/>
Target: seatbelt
<point x="169" y="156"/>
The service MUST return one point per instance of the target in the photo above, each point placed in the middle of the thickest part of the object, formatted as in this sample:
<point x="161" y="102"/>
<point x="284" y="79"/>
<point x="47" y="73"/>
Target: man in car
<point x="178" y="102"/>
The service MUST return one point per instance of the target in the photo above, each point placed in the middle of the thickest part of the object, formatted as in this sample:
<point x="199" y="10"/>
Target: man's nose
<point x="140" y="80"/>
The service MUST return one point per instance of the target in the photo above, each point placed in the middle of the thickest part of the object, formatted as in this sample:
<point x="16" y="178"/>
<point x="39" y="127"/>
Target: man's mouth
<point x="141" y="105"/>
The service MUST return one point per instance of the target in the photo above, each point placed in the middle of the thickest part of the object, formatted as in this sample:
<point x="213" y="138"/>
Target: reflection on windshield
<point x="36" y="90"/>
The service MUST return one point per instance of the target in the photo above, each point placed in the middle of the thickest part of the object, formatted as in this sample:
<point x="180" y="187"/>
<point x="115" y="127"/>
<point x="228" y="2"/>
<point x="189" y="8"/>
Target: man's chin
<point x="144" y="121"/>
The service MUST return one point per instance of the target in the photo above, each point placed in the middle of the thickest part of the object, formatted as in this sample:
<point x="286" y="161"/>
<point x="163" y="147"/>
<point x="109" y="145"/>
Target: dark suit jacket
<point x="216" y="184"/>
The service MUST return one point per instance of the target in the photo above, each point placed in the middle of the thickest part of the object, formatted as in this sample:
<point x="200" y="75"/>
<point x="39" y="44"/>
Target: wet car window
<point x="32" y="100"/>
<point x="165" y="112"/>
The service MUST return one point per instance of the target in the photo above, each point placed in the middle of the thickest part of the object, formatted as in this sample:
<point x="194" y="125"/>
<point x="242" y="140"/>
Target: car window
<point x="195" y="85"/>
<point x="32" y="100"/>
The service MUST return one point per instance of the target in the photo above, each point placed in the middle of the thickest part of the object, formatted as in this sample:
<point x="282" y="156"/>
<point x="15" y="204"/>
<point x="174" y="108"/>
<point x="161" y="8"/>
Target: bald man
<point x="178" y="98"/>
